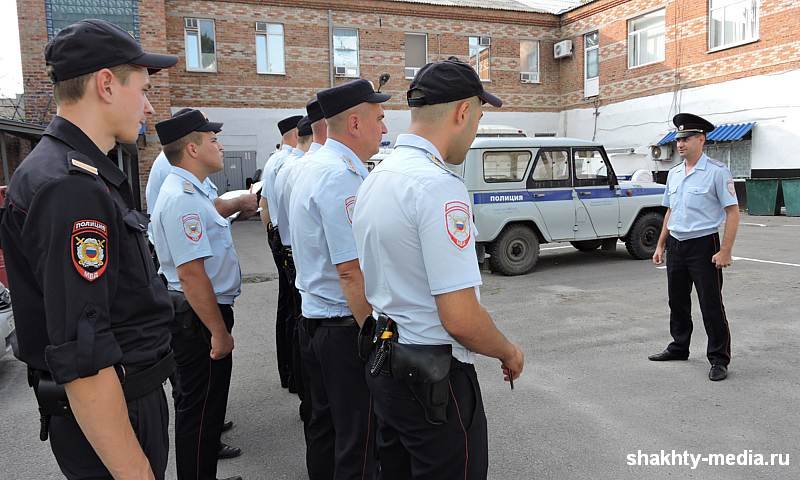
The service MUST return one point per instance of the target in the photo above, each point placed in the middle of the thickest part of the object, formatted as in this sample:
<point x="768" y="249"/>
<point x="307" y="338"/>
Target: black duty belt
<point x="347" y="321"/>
<point x="138" y="384"/>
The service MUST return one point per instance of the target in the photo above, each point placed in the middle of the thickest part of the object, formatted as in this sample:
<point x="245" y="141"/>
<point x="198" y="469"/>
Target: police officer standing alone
<point x="416" y="244"/>
<point x="195" y="248"/>
<point x="339" y="434"/>
<point x="92" y="315"/>
<point x="700" y="195"/>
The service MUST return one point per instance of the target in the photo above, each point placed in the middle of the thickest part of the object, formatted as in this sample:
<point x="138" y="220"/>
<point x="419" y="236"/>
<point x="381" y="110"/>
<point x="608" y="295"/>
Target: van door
<point x="550" y="188"/>
<point x="598" y="192"/>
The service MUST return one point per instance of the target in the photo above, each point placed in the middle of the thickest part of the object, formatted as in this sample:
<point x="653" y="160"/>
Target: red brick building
<point x="622" y="69"/>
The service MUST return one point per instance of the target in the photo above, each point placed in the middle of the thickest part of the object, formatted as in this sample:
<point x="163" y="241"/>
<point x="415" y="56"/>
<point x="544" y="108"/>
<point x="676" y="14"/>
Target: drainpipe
<point x="330" y="46"/>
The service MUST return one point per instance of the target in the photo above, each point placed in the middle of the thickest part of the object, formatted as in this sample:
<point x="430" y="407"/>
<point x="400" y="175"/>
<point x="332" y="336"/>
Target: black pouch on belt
<point x="184" y="315"/>
<point x="426" y="371"/>
<point x="365" y="342"/>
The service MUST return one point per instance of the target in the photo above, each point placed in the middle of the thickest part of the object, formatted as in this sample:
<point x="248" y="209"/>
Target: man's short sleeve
<point x="184" y="227"/>
<point x="336" y="204"/>
<point x="725" y="187"/>
<point x="447" y="236"/>
<point x="73" y="237"/>
<point x="665" y="198"/>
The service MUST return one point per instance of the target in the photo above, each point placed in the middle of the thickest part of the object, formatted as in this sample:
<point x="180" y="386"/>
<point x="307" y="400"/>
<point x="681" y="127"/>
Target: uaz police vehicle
<point x="529" y="191"/>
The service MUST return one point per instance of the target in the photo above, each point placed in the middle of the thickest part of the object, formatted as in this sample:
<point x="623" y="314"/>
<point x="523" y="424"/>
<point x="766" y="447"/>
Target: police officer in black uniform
<point x="92" y="315"/>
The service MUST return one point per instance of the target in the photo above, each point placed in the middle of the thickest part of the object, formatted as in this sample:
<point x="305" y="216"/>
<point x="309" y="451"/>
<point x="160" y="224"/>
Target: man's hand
<point x="221" y="345"/>
<point x="248" y="204"/>
<point x="513" y="363"/>
<point x="658" y="257"/>
<point x="722" y="259"/>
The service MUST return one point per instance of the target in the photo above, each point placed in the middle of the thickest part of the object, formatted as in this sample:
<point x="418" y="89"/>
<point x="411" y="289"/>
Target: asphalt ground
<point x="588" y="397"/>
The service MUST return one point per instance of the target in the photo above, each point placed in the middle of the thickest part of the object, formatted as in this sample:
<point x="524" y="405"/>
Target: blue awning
<point x="728" y="132"/>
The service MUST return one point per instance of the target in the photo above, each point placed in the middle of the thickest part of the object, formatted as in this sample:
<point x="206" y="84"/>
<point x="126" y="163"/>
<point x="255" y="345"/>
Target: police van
<point x="529" y="191"/>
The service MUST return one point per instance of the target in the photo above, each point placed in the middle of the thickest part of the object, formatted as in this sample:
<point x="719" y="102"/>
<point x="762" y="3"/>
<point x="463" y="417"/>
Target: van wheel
<point x="643" y="237"/>
<point x="515" y="252"/>
<point x="587" y="245"/>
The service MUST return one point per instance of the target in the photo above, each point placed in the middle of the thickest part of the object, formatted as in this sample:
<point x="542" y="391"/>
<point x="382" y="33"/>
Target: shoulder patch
<point x="731" y="187"/>
<point x="457" y="222"/>
<point x="349" y="208"/>
<point x="192" y="227"/>
<point x="89" y="247"/>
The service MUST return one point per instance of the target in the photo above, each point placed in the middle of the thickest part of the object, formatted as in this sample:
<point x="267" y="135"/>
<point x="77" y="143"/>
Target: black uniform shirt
<point x="85" y="293"/>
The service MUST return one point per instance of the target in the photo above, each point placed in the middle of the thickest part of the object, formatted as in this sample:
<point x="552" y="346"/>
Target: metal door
<point x="238" y="166"/>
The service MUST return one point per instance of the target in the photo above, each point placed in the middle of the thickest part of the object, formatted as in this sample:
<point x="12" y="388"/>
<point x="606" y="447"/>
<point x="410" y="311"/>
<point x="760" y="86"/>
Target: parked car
<point x="500" y="131"/>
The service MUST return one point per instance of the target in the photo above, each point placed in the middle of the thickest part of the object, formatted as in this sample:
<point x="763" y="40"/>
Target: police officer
<point x="269" y="217"/>
<point x="92" y="315"/>
<point x="331" y="286"/>
<point x="700" y="195"/>
<point x="416" y="245"/>
<point x="194" y="244"/>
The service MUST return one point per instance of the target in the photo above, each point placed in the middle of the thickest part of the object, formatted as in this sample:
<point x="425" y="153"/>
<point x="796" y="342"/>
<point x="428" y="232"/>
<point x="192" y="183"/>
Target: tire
<point x="587" y="245"/>
<point x="643" y="236"/>
<point x="515" y="252"/>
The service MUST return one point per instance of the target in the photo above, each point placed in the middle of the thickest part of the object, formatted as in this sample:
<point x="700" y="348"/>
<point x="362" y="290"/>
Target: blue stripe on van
<point x="481" y="198"/>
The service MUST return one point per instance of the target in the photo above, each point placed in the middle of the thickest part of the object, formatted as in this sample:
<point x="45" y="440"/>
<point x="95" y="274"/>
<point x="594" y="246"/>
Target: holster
<point x="51" y="397"/>
<point x="184" y="315"/>
<point x="365" y="341"/>
<point x="426" y="371"/>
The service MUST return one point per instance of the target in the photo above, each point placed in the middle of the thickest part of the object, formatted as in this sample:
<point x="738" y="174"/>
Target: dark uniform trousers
<point x="77" y="459"/>
<point x="201" y="398"/>
<point x="293" y="334"/>
<point x="689" y="263"/>
<point x="283" y="314"/>
<point x="411" y="448"/>
<point x="340" y="435"/>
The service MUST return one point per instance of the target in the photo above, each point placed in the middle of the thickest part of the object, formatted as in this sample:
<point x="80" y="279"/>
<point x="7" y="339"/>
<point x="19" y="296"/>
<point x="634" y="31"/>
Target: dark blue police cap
<point x="304" y="127"/>
<point x="184" y="122"/>
<point x="689" y="124"/>
<point x="90" y="45"/>
<point x="288" y="123"/>
<point x="447" y="81"/>
<point x="341" y="97"/>
<point x="314" y="111"/>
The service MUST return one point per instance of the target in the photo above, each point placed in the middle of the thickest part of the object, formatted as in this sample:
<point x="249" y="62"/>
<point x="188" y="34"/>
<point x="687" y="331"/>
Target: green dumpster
<point x="791" y="196"/>
<point x="762" y="196"/>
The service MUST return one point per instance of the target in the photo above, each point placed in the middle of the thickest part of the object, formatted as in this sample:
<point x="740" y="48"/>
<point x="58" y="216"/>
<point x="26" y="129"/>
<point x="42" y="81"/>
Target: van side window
<point x="550" y="170"/>
<point x="590" y="168"/>
<point x="505" y="166"/>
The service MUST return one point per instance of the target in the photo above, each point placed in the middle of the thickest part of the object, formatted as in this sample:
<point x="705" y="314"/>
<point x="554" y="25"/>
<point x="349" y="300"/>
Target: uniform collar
<point x="297" y="152"/>
<point x="68" y="133"/>
<point x="422" y="143"/>
<point x="285" y="147"/>
<point x="314" y="147"/>
<point x="700" y="165"/>
<point x="348" y="157"/>
<point x="189" y="177"/>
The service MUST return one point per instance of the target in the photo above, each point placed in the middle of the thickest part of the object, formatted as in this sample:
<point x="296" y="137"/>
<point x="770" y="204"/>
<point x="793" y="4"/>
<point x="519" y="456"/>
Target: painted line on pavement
<point x="754" y="224"/>
<point x="766" y="261"/>
<point x="556" y="248"/>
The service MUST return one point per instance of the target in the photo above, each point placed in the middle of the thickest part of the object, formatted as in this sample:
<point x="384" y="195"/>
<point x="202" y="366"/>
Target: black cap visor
<point x="377" y="98"/>
<point x="688" y="133"/>
<point x="215" y="127"/>
<point x="154" y="61"/>
<point x="487" y="97"/>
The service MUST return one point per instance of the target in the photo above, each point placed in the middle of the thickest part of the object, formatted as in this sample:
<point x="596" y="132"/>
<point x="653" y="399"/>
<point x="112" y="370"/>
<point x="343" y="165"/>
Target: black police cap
<point x="337" y="99"/>
<point x="184" y="122"/>
<point x="90" y="45"/>
<point x="689" y="124"/>
<point x="304" y="127"/>
<point x="314" y="111"/>
<point x="288" y="123"/>
<point x="447" y="81"/>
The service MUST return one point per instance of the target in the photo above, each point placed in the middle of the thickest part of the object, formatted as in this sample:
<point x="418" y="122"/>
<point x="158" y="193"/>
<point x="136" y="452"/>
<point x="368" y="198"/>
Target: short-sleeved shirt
<point x="86" y="293"/>
<point x="697" y="201"/>
<point x="284" y="182"/>
<point x="415" y="237"/>
<point x="271" y="170"/>
<point x="320" y="225"/>
<point x="186" y="226"/>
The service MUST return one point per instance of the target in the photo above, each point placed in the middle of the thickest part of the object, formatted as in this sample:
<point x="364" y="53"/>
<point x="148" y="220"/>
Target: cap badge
<point x="680" y="128"/>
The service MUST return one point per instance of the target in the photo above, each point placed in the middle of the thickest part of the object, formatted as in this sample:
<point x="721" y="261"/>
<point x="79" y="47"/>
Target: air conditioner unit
<point x="341" y="71"/>
<point x="562" y="49"/>
<point x="661" y="152"/>
<point x="190" y="22"/>
<point x="485" y="41"/>
<point x="261" y="27"/>
<point x="411" y="72"/>
<point x="529" y="77"/>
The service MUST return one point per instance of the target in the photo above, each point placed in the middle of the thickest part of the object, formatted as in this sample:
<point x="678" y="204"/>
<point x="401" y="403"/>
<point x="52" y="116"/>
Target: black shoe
<point x="717" y="373"/>
<point x="237" y="477"/>
<point x="227" y="426"/>
<point x="226" y="451"/>
<point x="666" y="355"/>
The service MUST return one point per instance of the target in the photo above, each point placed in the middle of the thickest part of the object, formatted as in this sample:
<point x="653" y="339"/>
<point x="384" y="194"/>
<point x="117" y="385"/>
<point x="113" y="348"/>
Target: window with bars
<point x="732" y="22"/>
<point x="60" y="13"/>
<point x="646" y="39"/>
<point x="270" y="48"/>
<point x="201" y="45"/>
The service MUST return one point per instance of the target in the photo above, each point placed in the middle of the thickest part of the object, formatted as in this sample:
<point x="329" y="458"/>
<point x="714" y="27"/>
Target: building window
<point x="732" y="22"/>
<point x="269" y="48"/>
<point x="479" y="55"/>
<point x="591" y="44"/>
<point x="529" y="61"/>
<point x="646" y="39"/>
<point x="201" y="45"/>
<point x="60" y="13"/>
<point x="345" y="52"/>
<point x="736" y="155"/>
<point x="416" y="53"/>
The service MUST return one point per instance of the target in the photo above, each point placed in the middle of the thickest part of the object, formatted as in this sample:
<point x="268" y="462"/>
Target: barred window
<point x="60" y="13"/>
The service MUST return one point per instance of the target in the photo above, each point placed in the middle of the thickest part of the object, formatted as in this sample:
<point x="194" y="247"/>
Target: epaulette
<point x="350" y="165"/>
<point x="188" y="187"/>
<point x="716" y="162"/>
<point x="79" y="163"/>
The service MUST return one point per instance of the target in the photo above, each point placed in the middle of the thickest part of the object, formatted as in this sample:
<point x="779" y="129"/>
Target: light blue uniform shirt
<point x="320" y="218"/>
<point x="415" y="237"/>
<point x="284" y="182"/>
<point x="271" y="169"/>
<point x="697" y="201"/>
<point x="187" y="226"/>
